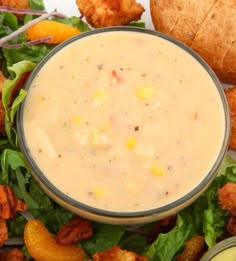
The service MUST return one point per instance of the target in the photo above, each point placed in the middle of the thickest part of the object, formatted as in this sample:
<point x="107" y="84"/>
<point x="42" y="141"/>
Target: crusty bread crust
<point x="207" y="26"/>
<point x="180" y="19"/>
<point x="231" y="98"/>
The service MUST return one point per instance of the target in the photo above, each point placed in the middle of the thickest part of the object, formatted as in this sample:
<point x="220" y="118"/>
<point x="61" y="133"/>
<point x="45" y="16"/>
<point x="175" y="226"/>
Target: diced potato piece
<point x="133" y="187"/>
<point x="100" y="139"/>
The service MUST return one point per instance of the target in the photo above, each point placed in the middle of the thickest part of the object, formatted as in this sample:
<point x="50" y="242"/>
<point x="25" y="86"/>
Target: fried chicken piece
<point x="102" y="13"/>
<point x="14" y="254"/>
<point x="193" y="248"/>
<point x="3" y="231"/>
<point x="227" y="197"/>
<point x="231" y="97"/>
<point x="2" y="110"/>
<point x="18" y="4"/>
<point x="74" y="231"/>
<point x="117" y="254"/>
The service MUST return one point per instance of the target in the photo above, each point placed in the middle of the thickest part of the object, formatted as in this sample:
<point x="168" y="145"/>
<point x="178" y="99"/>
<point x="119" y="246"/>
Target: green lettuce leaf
<point x="36" y="5"/>
<point x="204" y="216"/>
<point x="8" y="23"/>
<point x="74" y="21"/>
<point x="53" y="217"/>
<point x="105" y="236"/>
<point x="167" y="245"/>
<point x="134" y="242"/>
<point x="16" y="174"/>
<point x="10" y="160"/>
<point x="34" y="54"/>
<point x="18" y="70"/>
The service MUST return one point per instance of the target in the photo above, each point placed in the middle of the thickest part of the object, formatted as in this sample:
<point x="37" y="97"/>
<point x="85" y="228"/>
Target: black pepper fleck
<point x="100" y="66"/>
<point x="136" y="128"/>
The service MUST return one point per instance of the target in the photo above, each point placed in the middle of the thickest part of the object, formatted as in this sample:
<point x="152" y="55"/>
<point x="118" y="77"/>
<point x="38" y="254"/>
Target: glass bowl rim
<point x="219" y="247"/>
<point x="38" y="174"/>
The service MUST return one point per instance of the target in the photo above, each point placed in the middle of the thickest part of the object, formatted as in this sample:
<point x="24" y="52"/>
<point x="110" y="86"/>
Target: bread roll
<point x="207" y="26"/>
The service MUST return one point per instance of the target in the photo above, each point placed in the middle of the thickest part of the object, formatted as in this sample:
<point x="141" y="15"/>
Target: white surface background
<point x="69" y="8"/>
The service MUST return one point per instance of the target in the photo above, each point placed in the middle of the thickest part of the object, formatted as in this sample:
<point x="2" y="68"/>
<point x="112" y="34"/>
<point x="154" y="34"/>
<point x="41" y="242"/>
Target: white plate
<point x="69" y="8"/>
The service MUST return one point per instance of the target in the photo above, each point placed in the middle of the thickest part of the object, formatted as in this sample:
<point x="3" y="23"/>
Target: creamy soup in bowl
<point x="123" y="125"/>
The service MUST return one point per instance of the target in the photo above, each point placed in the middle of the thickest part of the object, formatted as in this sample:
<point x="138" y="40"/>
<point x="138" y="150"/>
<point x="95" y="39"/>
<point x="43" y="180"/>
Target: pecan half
<point x="74" y="231"/>
<point x="231" y="225"/>
<point x="193" y="248"/>
<point x="9" y="203"/>
<point x="14" y="254"/>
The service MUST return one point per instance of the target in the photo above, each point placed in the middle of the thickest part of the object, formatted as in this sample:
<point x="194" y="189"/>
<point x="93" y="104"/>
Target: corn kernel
<point x="76" y="120"/>
<point x="106" y="127"/>
<point x="95" y="137"/>
<point x="98" y="192"/>
<point x="156" y="170"/>
<point x="146" y="92"/>
<point x="100" y="96"/>
<point x="131" y="142"/>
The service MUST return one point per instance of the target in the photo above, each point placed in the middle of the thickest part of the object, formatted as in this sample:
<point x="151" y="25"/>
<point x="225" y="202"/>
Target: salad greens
<point x="204" y="216"/>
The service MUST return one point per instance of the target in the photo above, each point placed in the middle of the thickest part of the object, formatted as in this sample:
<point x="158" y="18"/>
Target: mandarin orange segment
<point x="58" y="31"/>
<point x="42" y="246"/>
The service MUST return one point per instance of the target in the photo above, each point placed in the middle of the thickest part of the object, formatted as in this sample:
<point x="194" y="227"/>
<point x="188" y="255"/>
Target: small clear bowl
<point x="218" y="252"/>
<point x="113" y="217"/>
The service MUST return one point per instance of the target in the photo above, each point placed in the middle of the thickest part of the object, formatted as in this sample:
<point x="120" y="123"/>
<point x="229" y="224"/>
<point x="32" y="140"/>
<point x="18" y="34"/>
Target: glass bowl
<point x="112" y="216"/>
<point x="222" y="251"/>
